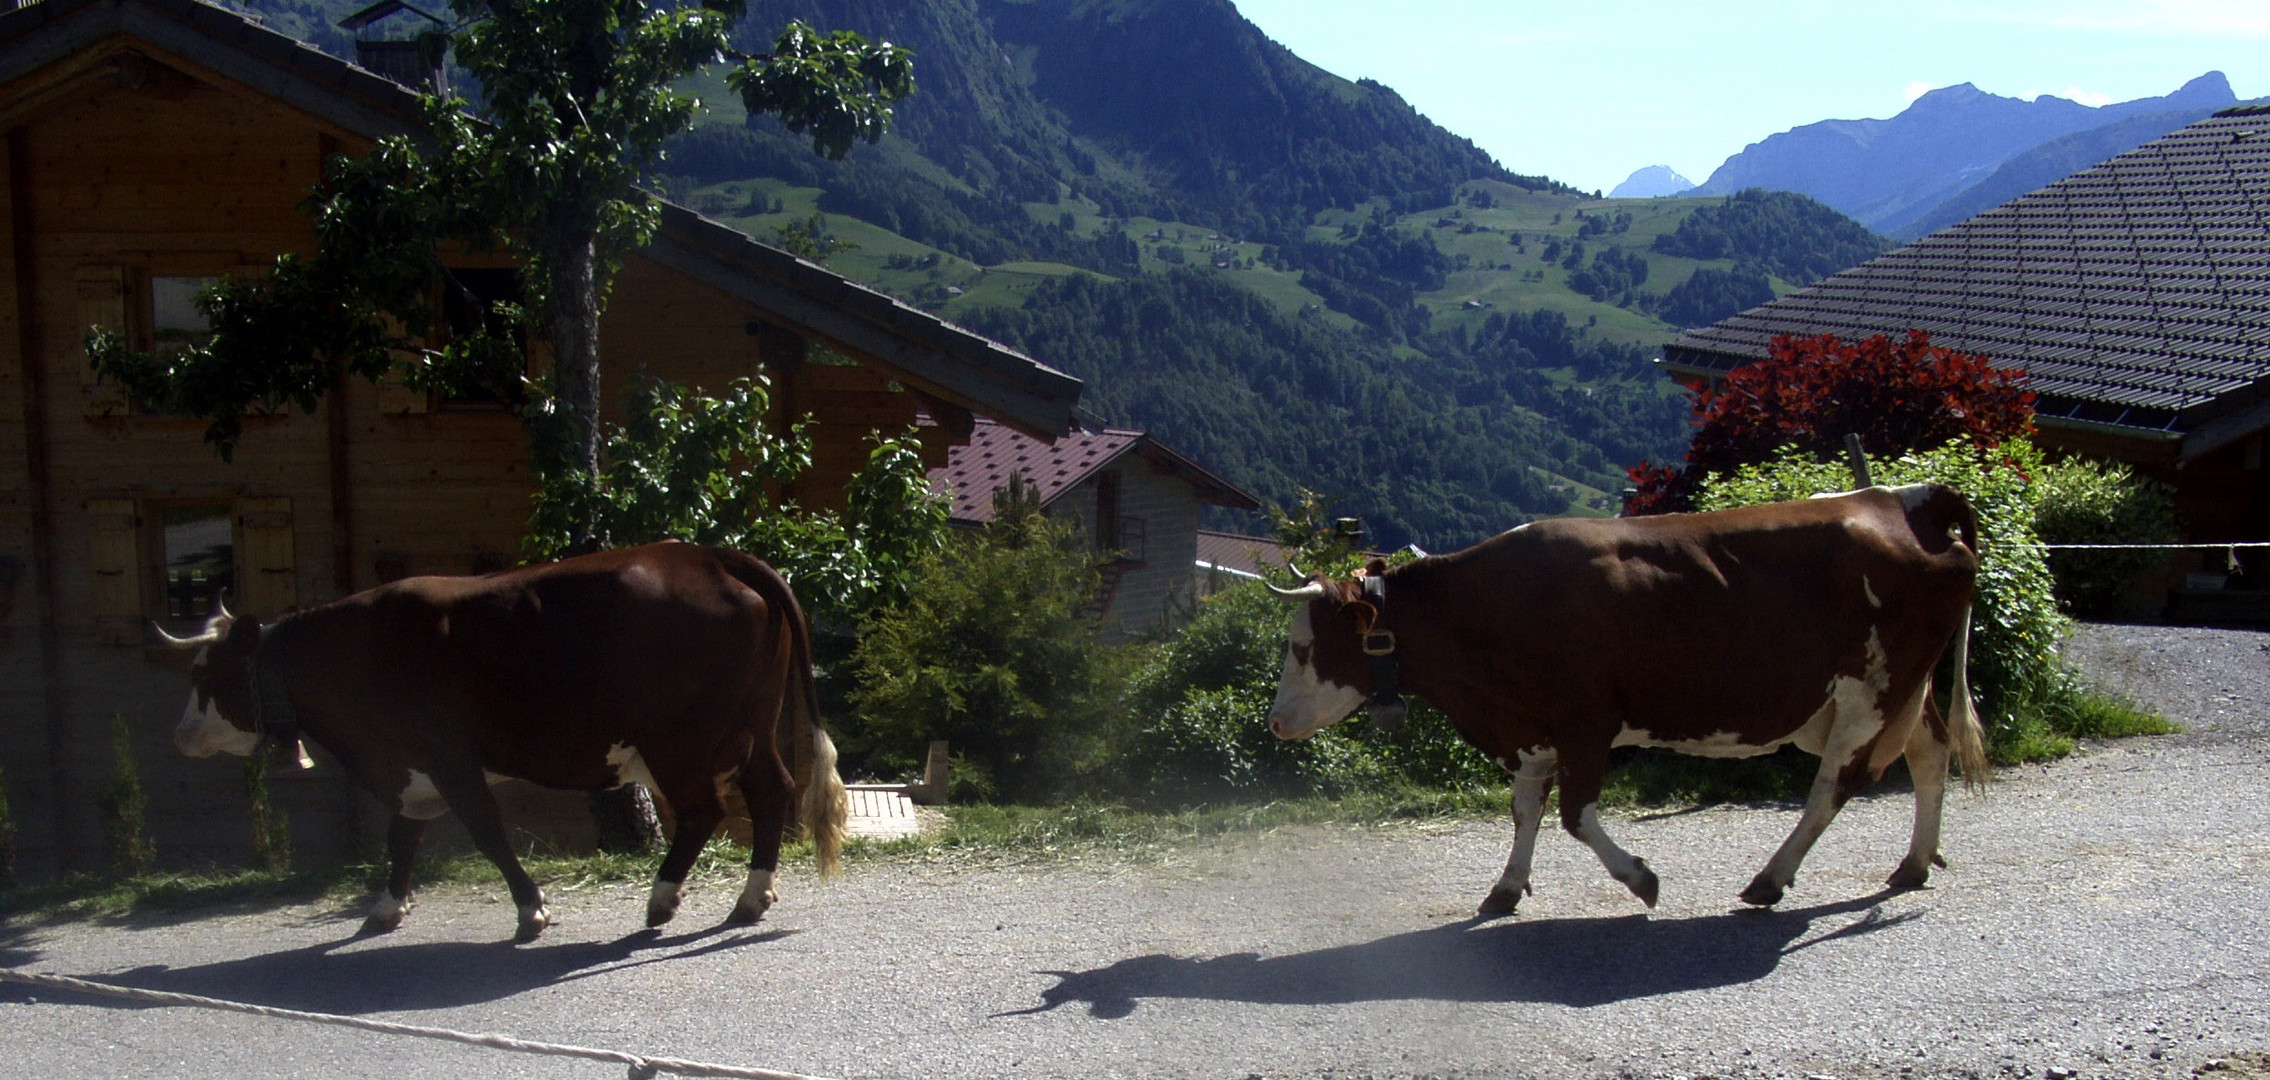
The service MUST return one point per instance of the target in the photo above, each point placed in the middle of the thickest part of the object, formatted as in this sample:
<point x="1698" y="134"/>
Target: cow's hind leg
<point x="1531" y="783"/>
<point x="468" y="794"/>
<point x="769" y="791"/>
<point x="402" y="837"/>
<point x="1927" y="754"/>
<point x="699" y="808"/>
<point x="1580" y="815"/>
<point x="1844" y="771"/>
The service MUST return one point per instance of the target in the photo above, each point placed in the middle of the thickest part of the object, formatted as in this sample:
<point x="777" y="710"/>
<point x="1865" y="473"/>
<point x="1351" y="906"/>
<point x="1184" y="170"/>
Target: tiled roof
<point x="2135" y="293"/>
<point x="1239" y="553"/>
<point x="995" y="452"/>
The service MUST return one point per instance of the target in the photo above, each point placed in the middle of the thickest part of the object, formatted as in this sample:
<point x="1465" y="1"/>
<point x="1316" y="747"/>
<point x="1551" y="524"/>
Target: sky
<point x="1587" y="93"/>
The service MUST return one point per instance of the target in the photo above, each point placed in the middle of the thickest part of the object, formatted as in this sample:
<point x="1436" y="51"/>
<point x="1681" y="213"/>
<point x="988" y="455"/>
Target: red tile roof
<point x="995" y="452"/>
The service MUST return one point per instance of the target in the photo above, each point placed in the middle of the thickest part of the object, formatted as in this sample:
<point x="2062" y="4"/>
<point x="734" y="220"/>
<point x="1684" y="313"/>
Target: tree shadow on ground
<point x="1574" y="962"/>
<point x="411" y="977"/>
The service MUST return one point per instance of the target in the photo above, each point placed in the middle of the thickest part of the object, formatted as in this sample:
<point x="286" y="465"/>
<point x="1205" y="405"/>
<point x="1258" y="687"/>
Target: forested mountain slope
<point x="1295" y="278"/>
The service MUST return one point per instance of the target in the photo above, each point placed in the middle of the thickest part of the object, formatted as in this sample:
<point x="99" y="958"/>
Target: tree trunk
<point x="573" y="314"/>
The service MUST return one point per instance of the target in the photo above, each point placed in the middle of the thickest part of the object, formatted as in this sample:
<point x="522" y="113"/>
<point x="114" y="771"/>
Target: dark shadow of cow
<point x="1574" y="962"/>
<point x="408" y="978"/>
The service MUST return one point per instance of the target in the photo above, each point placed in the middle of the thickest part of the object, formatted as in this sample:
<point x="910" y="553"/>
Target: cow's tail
<point x="1963" y="727"/>
<point x="825" y="809"/>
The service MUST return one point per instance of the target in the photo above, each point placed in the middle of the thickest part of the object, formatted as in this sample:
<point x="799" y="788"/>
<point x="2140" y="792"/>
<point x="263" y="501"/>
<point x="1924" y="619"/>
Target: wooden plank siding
<point x="192" y="175"/>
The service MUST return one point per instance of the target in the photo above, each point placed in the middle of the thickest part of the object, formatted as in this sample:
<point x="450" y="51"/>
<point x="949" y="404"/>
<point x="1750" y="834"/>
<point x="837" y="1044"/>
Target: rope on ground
<point x="641" y="1067"/>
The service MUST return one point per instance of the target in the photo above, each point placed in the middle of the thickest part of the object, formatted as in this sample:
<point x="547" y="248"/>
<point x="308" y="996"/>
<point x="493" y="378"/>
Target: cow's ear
<point x="1375" y="568"/>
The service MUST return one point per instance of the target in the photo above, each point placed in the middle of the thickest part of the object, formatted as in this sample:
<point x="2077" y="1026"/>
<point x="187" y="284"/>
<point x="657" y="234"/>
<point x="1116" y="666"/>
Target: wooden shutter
<point x="267" y="576"/>
<point x="102" y="302"/>
<point x="114" y="551"/>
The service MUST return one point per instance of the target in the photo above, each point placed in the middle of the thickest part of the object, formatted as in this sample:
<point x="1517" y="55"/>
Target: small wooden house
<point x="1136" y="500"/>
<point x="2135" y="294"/>
<point x="147" y="146"/>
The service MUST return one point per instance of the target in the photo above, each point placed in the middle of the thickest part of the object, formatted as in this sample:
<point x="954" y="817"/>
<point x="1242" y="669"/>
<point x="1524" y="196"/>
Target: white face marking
<point x="1306" y="704"/>
<point x="420" y="800"/>
<point x="629" y="767"/>
<point x="203" y="731"/>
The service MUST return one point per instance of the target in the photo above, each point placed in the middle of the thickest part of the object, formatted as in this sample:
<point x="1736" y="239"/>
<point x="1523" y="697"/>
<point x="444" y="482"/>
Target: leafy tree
<point x="1782" y="232"/>
<point x="1809" y="393"/>
<point x="1709" y="295"/>
<point x="578" y="98"/>
<point x="995" y="653"/>
<point x="702" y="469"/>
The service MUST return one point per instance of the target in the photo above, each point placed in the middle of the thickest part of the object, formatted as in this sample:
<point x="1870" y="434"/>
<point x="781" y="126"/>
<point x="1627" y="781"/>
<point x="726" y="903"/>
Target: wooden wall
<point x="1152" y="590"/>
<point x="105" y="188"/>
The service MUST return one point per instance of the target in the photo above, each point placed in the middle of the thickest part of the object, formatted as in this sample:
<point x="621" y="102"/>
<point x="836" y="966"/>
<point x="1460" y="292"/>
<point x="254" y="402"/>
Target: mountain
<point x="1890" y="173"/>
<point x="1652" y="182"/>
<point x="1294" y="278"/>
<point x="2048" y="163"/>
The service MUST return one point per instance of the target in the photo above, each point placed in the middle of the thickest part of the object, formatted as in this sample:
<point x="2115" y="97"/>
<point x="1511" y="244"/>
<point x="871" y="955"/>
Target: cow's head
<point x="222" y="711"/>
<point x="1327" y="675"/>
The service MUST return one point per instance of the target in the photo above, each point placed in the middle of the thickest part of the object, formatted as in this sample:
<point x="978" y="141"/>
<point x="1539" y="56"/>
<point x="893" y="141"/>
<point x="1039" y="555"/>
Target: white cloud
<point x="1915" y="90"/>
<point x="2089" y="98"/>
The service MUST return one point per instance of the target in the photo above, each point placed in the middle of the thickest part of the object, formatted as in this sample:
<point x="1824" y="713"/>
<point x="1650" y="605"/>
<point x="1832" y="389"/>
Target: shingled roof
<point x="973" y="473"/>
<point x="920" y="350"/>
<point x="2135" y="294"/>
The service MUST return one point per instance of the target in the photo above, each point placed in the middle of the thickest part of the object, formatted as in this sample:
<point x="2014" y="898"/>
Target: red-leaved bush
<point x="1811" y="392"/>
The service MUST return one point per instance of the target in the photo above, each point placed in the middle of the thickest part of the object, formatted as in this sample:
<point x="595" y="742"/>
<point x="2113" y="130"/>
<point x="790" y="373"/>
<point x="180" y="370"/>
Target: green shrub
<point x="1200" y="705"/>
<point x="125" y="808"/>
<point x="2087" y="502"/>
<point x="7" y="837"/>
<point x="994" y="652"/>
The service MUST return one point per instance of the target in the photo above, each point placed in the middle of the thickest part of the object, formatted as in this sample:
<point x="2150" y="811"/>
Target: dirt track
<point x="2104" y="916"/>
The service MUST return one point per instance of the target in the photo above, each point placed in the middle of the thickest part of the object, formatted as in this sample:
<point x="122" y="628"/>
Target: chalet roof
<point x="52" y="47"/>
<point x="1241" y="554"/>
<point x="995" y="452"/>
<point x="2135" y="294"/>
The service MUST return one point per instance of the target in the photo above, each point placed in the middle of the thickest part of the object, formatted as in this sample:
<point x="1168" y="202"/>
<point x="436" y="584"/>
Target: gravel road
<point x="2104" y="916"/>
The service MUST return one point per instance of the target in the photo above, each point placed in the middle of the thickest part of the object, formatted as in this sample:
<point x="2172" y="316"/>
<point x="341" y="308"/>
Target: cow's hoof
<point x="532" y="922"/>
<point x="1646" y="887"/>
<point x="1911" y="875"/>
<point x="1762" y="892"/>
<point x="745" y="914"/>
<point x="1501" y="901"/>
<point x="385" y="915"/>
<point x="662" y="903"/>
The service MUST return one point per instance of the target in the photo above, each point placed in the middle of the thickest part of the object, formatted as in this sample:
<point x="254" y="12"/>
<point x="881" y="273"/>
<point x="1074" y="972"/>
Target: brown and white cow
<point x="1724" y="634"/>
<point x="667" y="665"/>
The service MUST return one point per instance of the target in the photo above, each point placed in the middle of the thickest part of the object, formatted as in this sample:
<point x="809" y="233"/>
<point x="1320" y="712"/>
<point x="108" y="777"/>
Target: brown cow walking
<point x="1723" y="634"/>
<point x="668" y="665"/>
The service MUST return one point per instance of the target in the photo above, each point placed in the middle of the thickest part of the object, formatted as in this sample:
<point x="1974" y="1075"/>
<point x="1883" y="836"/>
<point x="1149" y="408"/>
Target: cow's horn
<point x="208" y="637"/>
<point x="221" y="605"/>
<point x="1310" y="591"/>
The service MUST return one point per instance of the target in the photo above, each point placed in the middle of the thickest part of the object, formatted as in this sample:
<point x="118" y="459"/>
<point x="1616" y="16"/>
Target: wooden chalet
<point x="148" y="146"/>
<point x="2136" y="296"/>
<point x="1136" y="499"/>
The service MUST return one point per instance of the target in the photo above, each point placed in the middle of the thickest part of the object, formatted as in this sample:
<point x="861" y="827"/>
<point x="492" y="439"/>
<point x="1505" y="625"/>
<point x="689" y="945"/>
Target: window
<point x="170" y="559"/>
<point x="198" y="553"/>
<point x="175" y="322"/>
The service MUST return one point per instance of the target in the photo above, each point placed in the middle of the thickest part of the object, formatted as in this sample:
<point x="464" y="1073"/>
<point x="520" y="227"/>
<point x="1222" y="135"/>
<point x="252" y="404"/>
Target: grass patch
<point x="96" y="896"/>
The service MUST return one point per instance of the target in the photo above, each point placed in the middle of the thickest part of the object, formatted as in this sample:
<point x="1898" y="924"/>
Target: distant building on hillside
<point x="1128" y="493"/>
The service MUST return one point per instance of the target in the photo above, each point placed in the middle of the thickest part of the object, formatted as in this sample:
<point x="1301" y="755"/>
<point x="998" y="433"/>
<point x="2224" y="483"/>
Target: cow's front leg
<point x="467" y="792"/>
<point x="1580" y="815"/>
<point x="1531" y="783"/>
<point x="698" y="813"/>
<point x="402" y="837"/>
